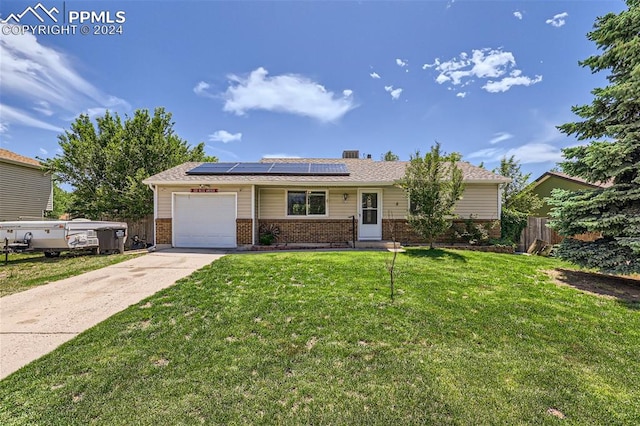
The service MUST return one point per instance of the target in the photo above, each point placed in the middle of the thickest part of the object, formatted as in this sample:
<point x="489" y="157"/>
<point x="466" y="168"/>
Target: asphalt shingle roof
<point x="572" y="178"/>
<point x="12" y="157"/>
<point x="361" y="172"/>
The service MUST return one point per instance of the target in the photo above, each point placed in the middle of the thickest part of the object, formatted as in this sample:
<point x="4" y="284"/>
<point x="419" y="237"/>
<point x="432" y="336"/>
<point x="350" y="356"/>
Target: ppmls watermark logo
<point x="40" y="20"/>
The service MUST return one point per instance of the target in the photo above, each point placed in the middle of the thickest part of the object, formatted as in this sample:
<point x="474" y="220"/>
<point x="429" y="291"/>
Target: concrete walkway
<point x="36" y="321"/>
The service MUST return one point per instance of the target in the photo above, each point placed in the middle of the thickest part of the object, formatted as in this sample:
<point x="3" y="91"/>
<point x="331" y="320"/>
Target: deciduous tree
<point x="390" y="156"/>
<point x="106" y="161"/>
<point x="518" y="199"/>
<point x="61" y="201"/>
<point x="433" y="184"/>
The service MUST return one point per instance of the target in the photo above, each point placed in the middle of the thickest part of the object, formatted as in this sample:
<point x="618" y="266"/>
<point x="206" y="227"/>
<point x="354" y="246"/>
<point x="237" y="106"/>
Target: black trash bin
<point x="111" y="240"/>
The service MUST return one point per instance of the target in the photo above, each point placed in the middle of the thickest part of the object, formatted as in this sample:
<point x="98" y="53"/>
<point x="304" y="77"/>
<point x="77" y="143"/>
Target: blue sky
<point x="308" y="79"/>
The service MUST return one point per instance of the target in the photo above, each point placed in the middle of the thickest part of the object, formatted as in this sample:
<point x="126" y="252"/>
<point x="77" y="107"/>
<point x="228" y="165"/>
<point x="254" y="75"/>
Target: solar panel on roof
<point x="211" y="168"/>
<point x="332" y="168"/>
<point x="250" y="168"/>
<point x="290" y="168"/>
<point x="273" y="169"/>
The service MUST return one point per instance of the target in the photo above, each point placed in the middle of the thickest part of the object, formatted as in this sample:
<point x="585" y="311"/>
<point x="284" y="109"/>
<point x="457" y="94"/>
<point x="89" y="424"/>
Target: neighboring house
<point x="26" y="190"/>
<point x="537" y="228"/>
<point x="557" y="180"/>
<point x="308" y="200"/>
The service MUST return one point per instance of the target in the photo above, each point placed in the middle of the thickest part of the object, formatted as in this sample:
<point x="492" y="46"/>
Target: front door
<point x="370" y="215"/>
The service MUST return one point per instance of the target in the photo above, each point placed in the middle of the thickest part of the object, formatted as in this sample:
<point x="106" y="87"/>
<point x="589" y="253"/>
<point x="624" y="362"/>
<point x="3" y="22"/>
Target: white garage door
<point x="204" y="220"/>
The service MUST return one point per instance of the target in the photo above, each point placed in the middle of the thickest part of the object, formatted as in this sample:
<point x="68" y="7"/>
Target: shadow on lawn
<point x="625" y="290"/>
<point x="437" y="254"/>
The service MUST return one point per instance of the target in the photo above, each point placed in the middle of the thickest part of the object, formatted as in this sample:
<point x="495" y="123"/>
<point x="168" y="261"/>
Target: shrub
<point x="512" y="223"/>
<point x="268" y="234"/>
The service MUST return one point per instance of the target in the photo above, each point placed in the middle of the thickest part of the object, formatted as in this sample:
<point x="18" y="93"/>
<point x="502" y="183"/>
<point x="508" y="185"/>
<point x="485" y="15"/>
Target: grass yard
<point x="27" y="270"/>
<point x="313" y="338"/>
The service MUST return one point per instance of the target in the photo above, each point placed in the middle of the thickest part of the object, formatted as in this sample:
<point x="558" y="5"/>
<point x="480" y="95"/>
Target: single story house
<point x="307" y="200"/>
<point x="26" y="190"/>
<point x="549" y="181"/>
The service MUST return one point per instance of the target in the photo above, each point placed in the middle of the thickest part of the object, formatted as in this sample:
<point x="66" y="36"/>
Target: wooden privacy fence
<point x="537" y="229"/>
<point x="143" y="228"/>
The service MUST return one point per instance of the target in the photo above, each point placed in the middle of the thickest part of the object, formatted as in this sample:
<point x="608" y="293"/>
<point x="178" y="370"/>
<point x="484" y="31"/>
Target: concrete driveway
<point x="36" y="321"/>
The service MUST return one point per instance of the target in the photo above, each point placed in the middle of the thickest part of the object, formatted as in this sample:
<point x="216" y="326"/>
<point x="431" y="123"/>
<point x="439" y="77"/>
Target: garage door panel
<point x="204" y="220"/>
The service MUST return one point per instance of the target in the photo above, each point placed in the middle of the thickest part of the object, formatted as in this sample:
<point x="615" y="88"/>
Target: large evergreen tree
<point x="611" y="125"/>
<point x="106" y="162"/>
<point x="433" y="184"/>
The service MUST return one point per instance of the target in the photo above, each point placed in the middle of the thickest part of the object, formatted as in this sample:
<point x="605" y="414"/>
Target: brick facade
<point x="163" y="231"/>
<point x="244" y="231"/>
<point x="312" y="230"/>
<point x="334" y="230"/>
<point x="405" y="235"/>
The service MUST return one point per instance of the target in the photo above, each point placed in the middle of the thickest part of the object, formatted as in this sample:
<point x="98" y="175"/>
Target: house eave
<point x="20" y="163"/>
<point x="262" y="183"/>
<point x="299" y="182"/>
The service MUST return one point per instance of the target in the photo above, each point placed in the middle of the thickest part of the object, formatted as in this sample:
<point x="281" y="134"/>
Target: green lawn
<point x="313" y="338"/>
<point x="27" y="270"/>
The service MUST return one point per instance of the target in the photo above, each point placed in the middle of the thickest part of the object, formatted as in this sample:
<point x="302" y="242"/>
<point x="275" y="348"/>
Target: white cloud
<point x="202" y="89"/>
<point x="508" y="82"/>
<point x="43" y="151"/>
<point x="224" y="136"/>
<point x="4" y="128"/>
<point x="347" y="93"/>
<point x="48" y="78"/>
<point x="374" y="75"/>
<point x="518" y="14"/>
<point x="482" y="64"/>
<point x="525" y="154"/>
<point x="535" y="153"/>
<point x="435" y="63"/>
<point x="487" y="153"/>
<point x="402" y="63"/>
<point x="541" y="148"/>
<point x="289" y="93"/>
<point x="15" y="115"/>
<point x="557" y="20"/>
<point x="395" y="93"/>
<point x="94" y="112"/>
<point x="461" y="94"/>
<point x="500" y="137"/>
<point x="43" y="108"/>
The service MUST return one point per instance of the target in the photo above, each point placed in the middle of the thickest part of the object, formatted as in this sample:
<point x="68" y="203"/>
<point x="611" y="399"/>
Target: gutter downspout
<point x="500" y="191"/>
<point x="254" y="222"/>
<point x="155" y="210"/>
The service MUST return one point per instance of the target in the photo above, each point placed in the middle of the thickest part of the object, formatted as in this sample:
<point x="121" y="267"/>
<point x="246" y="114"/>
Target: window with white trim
<point x="306" y="203"/>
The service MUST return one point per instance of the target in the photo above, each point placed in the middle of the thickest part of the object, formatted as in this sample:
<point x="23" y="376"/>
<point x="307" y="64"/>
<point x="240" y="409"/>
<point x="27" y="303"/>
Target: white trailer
<point x="55" y="236"/>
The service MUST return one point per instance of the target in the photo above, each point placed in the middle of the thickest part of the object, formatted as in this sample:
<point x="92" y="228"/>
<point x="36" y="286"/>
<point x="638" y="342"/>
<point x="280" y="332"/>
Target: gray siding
<point x="24" y="191"/>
